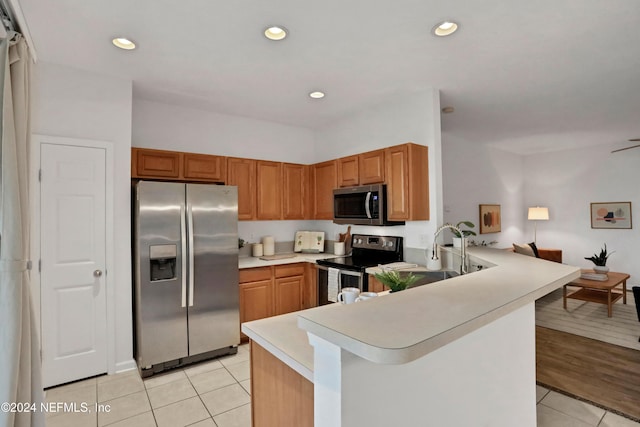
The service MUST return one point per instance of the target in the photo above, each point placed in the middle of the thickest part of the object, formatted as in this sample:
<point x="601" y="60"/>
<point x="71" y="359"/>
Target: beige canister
<point x="256" y="249"/>
<point x="269" y="244"/>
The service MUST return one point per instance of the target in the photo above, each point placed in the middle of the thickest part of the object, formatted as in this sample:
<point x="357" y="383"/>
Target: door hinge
<point x="39" y="266"/>
<point x="39" y="175"/>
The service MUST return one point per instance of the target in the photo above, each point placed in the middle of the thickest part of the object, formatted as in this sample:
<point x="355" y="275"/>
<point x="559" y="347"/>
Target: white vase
<point x="601" y="269"/>
<point x="457" y="242"/>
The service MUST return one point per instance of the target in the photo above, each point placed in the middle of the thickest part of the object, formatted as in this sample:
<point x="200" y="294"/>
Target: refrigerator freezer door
<point x="161" y="320"/>
<point x="214" y="300"/>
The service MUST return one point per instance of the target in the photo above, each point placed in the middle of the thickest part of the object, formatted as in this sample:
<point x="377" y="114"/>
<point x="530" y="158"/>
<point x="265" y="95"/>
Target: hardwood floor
<point x="602" y="373"/>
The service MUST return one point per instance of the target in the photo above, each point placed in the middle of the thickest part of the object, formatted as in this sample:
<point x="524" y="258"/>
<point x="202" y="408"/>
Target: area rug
<point x="590" y="319"/>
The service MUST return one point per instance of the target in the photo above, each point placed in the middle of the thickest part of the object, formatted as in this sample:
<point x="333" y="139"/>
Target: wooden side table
<point x="598" y="292"/>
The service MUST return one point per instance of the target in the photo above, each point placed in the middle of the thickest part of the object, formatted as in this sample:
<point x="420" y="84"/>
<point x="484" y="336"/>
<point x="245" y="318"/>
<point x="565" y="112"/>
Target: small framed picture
<point x="611" y="215"/>
<point x="489" y="219"/>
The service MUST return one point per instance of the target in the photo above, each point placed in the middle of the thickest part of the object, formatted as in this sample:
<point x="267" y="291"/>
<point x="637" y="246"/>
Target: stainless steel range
<point x="367" y="251"/>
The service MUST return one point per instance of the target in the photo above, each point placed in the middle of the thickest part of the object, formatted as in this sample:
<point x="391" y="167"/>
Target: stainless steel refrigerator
<point x="186" y="273"/>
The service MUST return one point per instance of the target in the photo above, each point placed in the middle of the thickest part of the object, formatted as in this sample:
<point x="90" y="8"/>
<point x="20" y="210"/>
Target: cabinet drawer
<point x="255" y="274"/>
<point x="290" y="270"/>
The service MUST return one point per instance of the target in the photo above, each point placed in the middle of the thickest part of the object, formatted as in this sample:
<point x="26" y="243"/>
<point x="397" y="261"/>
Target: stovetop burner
<point x="367" y="251"/>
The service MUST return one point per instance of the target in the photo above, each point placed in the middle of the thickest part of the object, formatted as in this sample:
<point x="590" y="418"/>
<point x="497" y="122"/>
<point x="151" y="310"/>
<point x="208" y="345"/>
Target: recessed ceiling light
<point x="445" y="28"/>
<point x="316" y="94"/>
<point x="123" y="43"/>
<point x="447" y="110"/>
<point x="275" y="33"/>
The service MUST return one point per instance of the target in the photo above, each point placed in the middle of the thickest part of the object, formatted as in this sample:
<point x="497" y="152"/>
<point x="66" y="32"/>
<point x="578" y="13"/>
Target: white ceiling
<point x="526" y="76"/>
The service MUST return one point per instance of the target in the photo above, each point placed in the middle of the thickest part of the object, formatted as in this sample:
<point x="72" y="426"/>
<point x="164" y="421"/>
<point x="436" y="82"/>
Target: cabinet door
<point x="242" y="173"/>
<point x="310" y="291"/>
<point x="256" y="301"/>
<point x="294" y="190"/>
<point x="407" y="177"/>
<point x="156" y="163"/>
<point x="324" y="181"/>
<point x="397" y="162"/>
<point x="348" y="171"/>
<point x="375" y="285"/>
<point x="371" y="167"/>
<point x="288" y="294"/>
<point x="268" y="190"/>
<point x="204" y="167"/>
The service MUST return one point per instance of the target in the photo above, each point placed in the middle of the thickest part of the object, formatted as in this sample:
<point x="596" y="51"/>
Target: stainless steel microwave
<point x="362" y="205"/>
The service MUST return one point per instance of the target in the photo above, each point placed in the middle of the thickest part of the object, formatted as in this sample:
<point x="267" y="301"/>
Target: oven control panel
<point x="379" y="243"/>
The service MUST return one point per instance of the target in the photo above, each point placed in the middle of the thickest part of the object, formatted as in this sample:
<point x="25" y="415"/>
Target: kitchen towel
<point x="333" y="284"/>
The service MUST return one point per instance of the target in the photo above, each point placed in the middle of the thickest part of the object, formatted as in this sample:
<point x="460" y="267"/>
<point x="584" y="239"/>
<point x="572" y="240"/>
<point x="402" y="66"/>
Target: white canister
<point x="269" y="244"/>
<point x="256" y="249"/>
<point x="338" y="248"/>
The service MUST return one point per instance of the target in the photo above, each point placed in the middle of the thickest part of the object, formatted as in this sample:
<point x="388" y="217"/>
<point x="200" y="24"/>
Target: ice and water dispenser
<point x="163" y="262"/>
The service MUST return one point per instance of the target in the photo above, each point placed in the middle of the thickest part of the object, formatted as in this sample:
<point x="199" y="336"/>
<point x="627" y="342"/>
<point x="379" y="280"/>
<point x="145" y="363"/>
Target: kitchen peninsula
<point x="459" y="352"/>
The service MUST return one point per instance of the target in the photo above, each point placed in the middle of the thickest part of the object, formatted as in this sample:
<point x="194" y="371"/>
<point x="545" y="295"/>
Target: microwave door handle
<point x="367" y="202"/>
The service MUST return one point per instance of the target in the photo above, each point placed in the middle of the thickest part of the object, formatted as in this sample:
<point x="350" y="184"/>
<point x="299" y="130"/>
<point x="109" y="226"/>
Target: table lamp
<point x="537" y="214"/>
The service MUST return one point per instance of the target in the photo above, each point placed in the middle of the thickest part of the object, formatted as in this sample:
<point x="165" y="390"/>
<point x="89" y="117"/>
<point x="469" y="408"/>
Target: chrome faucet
<point x="463" y="249"/>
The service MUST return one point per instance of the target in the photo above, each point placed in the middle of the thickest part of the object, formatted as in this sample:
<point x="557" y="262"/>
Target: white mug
<point x="348" y="295"/>
<point x="365" y="296"/>
<point x="338" y="248"/>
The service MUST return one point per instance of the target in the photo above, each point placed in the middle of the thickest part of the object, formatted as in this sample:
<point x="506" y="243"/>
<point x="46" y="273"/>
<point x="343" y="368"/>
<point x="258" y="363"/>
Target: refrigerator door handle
<point x="183" y="256"/>
<point x="191" y="260"/>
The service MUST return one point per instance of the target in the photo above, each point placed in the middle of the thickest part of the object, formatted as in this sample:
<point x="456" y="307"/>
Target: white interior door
<point x="72" y="247"/>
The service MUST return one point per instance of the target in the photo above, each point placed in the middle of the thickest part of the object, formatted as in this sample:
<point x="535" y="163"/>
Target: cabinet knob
<point x="97" y="273"/>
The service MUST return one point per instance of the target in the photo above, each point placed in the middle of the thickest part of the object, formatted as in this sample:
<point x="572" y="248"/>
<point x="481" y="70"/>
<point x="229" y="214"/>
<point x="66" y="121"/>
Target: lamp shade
<point x="538" y="214"/>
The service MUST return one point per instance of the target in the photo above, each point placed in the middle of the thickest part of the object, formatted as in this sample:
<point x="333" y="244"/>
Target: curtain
<point x="20" y="365"/>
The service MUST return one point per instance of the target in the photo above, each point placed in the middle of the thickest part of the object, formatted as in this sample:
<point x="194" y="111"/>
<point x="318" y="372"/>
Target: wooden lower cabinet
<point x="256" y="295"/>
<point x="279" y="395"/>
<point x="288" y="288"/>
<point x="375" y="285"/>
<point x="310" y="292"/>
<point x="270" y="291"/>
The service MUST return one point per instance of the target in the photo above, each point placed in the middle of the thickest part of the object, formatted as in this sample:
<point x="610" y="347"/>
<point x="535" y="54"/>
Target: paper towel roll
<point x="269" y="245"/>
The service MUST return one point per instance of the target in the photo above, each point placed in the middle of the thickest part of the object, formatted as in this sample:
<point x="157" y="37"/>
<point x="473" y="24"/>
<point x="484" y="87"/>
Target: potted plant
<point x="396" y="281"/>
<point x="600" y="260"/>
<point x="457" y="240"/>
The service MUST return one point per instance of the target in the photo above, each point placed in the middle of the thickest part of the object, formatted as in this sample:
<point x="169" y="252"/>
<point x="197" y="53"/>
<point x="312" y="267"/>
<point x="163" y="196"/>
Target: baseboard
<point x="126" y="365"/>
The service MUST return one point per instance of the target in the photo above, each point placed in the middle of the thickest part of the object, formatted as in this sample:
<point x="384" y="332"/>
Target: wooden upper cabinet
<point x="371" y="167"/>
<point x="324" y="180"/>
<point x="348" y="171"/>
<point x="204" y="167"/>
<point x="268" y="190"/>
<point x="147" y="163"/>
<point x="295" y="191"/>
<point x="242" y="173"/>
<point x="407" y="178"/>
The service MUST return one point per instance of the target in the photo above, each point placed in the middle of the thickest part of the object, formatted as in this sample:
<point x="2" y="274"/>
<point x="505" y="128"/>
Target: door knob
<point x="97" y="273"/>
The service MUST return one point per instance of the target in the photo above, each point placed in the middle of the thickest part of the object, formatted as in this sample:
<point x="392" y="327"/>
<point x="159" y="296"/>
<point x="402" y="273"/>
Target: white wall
<point x="409" y="117"/>
<point x="564" y="181"/>
<point x="567" y="182"/>
<point x="173" y="127"/>
<point x="476" y="174"/>
<point x="73" y="103"/>
<point x="404" y="118"/>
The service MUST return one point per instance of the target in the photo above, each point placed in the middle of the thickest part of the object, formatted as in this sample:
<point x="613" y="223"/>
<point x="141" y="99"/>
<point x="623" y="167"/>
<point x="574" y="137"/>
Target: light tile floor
<point x="217" y="394"/>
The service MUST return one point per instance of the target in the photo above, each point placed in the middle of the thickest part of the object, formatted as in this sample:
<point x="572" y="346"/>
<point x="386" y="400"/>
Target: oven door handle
<point x="367" y="202"/>
<point x="347" y="272"/>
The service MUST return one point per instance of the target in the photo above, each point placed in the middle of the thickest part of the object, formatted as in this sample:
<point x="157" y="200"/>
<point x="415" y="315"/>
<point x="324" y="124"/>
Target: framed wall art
<point x="489" y="219"/>
<point x="611" y="215"/>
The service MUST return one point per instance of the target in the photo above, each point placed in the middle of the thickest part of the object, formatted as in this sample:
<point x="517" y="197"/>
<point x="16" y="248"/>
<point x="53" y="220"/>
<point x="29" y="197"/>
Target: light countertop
<point x="252" y="262"/>
<point x="407" y="325"/>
